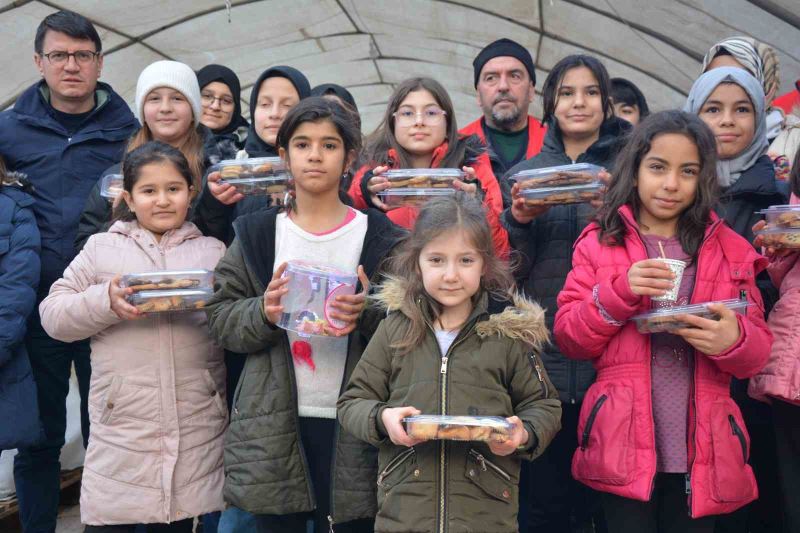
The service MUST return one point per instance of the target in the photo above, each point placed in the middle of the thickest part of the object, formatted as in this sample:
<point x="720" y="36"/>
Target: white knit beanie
<point x="170" y="74"/>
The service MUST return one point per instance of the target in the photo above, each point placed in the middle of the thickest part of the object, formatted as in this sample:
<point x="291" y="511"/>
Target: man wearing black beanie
<point x="505" y="80"/>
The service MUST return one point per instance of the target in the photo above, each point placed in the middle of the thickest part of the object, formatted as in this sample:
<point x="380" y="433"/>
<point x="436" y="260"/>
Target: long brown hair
<point x="192" y="149"/>
<point x="622" y="190"/>
<point x="439" y="215"/>
<point x="379" y="142"/>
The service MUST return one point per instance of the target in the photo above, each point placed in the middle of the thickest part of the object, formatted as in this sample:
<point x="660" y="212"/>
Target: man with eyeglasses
<point x="505" y="79"/>
<point x="63" y="132"/>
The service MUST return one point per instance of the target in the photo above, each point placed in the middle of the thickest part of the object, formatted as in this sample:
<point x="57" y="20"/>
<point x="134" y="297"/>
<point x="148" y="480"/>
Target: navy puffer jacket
<point x="63" y="168"/>
<point x="19" y="276"/>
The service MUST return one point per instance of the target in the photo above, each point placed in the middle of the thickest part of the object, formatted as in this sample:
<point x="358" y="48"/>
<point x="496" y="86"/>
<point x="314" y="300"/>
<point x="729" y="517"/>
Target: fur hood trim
<point x="521" y="320"/>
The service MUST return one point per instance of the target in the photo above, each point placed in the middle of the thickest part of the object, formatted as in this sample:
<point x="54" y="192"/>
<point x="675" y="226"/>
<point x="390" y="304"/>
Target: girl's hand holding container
<point x="392" y="418"/>
<point x="522" y="212"/>
<point x="378" y="183"/>
<point x="119" y="304"/>
<point x="712" y="337"/>
<point x="224" y="192"/>
<point x="651" y="277"/>
<point x="517" y="437"/>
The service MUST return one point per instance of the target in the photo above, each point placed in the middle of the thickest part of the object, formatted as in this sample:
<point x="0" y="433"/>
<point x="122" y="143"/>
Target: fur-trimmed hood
<point x="518" y="319"/>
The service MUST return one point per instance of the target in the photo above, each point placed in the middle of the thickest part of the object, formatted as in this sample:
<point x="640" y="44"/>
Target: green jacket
<point x="266" y="471"/>
<point x="490" y="369"/>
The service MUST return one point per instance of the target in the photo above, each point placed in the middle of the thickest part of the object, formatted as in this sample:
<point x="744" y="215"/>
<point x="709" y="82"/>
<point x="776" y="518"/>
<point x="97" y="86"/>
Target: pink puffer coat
<point x="781" y="377"/>
<point x="157" y="394"/>
<point x="616" y="429"/>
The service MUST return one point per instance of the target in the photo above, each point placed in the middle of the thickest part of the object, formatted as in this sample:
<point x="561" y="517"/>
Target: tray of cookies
<point x="571" y="194"/>
<point x="170" y="301"/>
<point x="446" y="427"/>
<point x="257" y="175"/>
<point x="780" y="237"/>
<point x="423" y="178"/>
<point x="666" y="319"/>
<point x="312" y="288"/>
<point x="111" y="186"/>
<point x="560" y="176"/>
<point x="411" y="197"/>
<point x="782" y="216"/>
<point x="168" y="280"/>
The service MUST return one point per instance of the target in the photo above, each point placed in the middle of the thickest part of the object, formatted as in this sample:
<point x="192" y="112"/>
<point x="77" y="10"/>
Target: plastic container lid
<point x="780" y="209"/>
<point x="450" y="420"/>
<point x="256" y="180"/>
<point x="530" y="177"/>
<point x="111" y="186"/>
<point x="276" y="162"/>
<point x="404" y="173"/>
<point x="168" y="280"/>
<point x="308" y="269"/>
<point x="417" y="192"/>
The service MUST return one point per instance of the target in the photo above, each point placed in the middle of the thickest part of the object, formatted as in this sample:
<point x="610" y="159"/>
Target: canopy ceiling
<point x="370" y="45"/>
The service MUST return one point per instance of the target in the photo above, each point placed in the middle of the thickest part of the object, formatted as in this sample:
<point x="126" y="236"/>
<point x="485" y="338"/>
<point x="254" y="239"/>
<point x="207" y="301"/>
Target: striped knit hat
<point x="758" y="58"/>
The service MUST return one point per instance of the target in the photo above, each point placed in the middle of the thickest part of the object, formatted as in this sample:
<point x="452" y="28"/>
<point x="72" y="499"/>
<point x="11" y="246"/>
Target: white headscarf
<point x="729" y="170"/>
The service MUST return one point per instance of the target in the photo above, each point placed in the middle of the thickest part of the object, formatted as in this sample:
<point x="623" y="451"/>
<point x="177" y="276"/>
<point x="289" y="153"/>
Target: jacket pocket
<point x="489" y="477"/>
<point x="216" y="397"/>
<point x="605" y="435"/>
<point x="731" y="449"/>
<point x="399" y="468"/>
<point x="110" y="400"/>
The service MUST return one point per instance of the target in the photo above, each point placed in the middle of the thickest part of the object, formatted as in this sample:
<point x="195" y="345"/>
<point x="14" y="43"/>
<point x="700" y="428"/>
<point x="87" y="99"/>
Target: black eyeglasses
<point x="82" y="57"/>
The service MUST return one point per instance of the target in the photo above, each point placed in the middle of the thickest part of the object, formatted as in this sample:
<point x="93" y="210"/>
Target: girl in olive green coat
<point x="448" y="347"/>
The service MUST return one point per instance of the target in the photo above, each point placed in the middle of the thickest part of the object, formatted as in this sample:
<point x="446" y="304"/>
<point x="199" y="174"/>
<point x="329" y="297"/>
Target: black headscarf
<point x="255" y="146"/>
<point x="212" y="73"/>
<point x="338" y="90"/>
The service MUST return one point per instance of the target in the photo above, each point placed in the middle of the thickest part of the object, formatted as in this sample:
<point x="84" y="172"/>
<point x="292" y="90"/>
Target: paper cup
<point x="677" y="268"/>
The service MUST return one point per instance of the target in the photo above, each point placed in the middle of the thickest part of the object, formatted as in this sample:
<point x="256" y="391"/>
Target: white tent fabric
<point x="369" y="45"/>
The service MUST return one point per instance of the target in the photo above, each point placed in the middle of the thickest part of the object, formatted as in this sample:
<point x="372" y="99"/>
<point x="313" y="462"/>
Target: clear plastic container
<point x="411" y="197"/>
<point x="782" y="216"/>
<point x="312" y="290"/>
<point x="164" y="301"/>
<point x="169" y="280"/>
<point x="571" y="194"/>
<point x="423" y="178"/>
<point x="554" y="177"/>
<point x="664" y="320"/>
<point x="260" y="186"/>
<point x="778" y="237"/>
<point x="111" y="186"/>
<point x="255" y="167"/>
<point x="446" y="427"/>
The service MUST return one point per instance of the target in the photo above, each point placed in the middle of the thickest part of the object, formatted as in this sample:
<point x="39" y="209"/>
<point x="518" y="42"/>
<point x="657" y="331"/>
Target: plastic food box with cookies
<point x="312" y="288"/>
<point x="560" y="176"/>
<point x="111" y="186"/>
<point x="782" y="216"/>
<point x="423" y="178"/>
<point x="411" y="197"/>
<point x="166" y="280"/>
<point x="571" y="194"/>
<point x="780" y="237"/>
<point x="666" y="319"/>
<point x="447" y="427"/>
<point x="170" y="301"/>
<point x="257" y="175"/>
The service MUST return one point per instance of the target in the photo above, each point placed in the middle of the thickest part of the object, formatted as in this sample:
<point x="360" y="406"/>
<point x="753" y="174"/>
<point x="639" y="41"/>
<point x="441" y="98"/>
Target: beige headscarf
<point x="758" y="58"/>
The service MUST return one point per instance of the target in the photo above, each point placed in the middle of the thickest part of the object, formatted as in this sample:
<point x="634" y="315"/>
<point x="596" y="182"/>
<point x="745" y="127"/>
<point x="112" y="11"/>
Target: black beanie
<point x="501" y="48"/>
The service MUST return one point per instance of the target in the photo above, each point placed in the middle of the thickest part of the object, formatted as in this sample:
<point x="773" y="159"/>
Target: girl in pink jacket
<point x="779" y="381"/>
<point x="659" y="434"/>
<point x="157" y="394"/>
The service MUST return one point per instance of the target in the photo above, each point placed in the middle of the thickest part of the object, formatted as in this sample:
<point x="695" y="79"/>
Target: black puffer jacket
<point x="545" y="246"/>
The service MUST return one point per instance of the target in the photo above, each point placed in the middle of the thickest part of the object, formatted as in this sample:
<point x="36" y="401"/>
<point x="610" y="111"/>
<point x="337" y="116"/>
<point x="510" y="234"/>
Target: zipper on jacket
<point x="443" y="411"/>
<point x="394" y="464"/>
<point x="587" y="429"/>
<point x="486" y="463"/>
<point x="538" y="369"/>
<point x="739" y="434"/>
